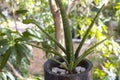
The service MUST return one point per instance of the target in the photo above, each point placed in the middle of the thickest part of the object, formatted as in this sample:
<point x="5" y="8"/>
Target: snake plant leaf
<point x="52" y="50"/>
<point x="67" y="33"/>
<point x="88" y="51"/>
<point x="5" y="58"/>
<point x="87" y="32"/>
<point x="57" y="61"/>
<point x="27" y="21"/>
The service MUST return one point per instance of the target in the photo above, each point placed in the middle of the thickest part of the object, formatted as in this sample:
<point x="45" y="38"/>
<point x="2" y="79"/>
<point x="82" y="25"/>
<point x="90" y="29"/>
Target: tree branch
<point x="14" y="71"/>
<point x="71" y="5"/>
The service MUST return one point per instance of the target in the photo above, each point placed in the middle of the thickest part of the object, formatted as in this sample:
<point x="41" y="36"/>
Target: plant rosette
<point x="54" y="71"/>
<point x="71" y="59"/>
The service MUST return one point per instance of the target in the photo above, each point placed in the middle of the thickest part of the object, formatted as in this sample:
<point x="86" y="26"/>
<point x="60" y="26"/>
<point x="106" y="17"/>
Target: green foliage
<point x="80" y="17"/>
<point x="108" y="61"/>
<point x="99" y="73"/>
<point x="12" y="47"/>
<point x="69" y="54"/>
<point x="6" y="75"/>
<point x="86" y="33"/>
<point x="3" y="16"/>
<point x="96" y="2"/>
<point x="117" y="6"/>
<point x="108" y="57"/>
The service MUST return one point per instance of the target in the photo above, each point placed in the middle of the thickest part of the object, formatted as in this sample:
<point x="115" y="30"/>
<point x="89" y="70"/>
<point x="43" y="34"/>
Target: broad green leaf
<point x="20" y="53"/>
<point x="3" y="46"/>
<point x="28" y="50"/>
<point x="32" y="34"/>
<point x="117" y="6"/>
<point x="104" y="28"/>
<point x="13" y="50"/>
<point x="98" y="35"/>
<point x="6" y="33"/>
<point x="4" y="76"/>
<point x="21" y="11"/>
<point x="23" y="52"/>
<point x="3" y="49"/>
<point x="5" y="58"/>
<point x="96" y="2"/>
<point x="3" y="16"/>
<point x="10" y="76"/>
<point x="27" y="21"/>
<point x="18" y="58"/>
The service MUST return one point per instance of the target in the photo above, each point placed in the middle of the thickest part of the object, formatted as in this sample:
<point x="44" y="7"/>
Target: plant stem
<point x="67" y="34"/>
<point x="14" y="15"/>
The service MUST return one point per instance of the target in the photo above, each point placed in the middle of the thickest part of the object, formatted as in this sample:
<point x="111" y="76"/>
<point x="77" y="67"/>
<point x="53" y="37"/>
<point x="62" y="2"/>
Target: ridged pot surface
<point x="49" y="75"/>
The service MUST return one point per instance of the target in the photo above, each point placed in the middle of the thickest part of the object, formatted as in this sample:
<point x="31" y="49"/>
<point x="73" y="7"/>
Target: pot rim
<point x="50" y="72"/>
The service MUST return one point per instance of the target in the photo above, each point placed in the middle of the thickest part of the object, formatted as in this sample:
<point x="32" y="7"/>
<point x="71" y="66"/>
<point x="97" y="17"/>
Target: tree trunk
<point x="14" y="71"/>
<point x="59" y="33"/>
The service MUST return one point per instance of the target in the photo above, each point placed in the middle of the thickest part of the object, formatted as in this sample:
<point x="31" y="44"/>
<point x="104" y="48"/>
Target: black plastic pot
<point x="49" y="75"/>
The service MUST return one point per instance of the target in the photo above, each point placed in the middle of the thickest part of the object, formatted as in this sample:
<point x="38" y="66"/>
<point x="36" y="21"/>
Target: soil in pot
<point x="49" y="75"/>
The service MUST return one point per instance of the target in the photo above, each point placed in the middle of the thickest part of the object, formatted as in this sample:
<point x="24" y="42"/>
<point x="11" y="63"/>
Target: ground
<point x="36" y="66"/>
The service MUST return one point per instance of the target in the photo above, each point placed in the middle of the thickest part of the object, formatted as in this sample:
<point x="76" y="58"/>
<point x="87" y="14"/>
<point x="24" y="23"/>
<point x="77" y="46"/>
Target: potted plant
<point x="71" y="60"/>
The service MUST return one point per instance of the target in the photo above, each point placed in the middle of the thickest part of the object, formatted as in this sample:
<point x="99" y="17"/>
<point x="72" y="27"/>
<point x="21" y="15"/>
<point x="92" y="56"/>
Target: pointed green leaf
<point x="21" y="11"/>
<point x="3" y="46"/>
<point x="20" y="54"/>
<point x="96" y="2"/>
<point x="66" y="67"/>
<point x="79" y="59"/>
<point x="27" y="21"/>
<point x="88" y="51"/>
<point x="67" y="33"/>
<point x="51" y="50"/>
<point x="87" y="32"/>
<point x="32" y="34"/>
<point x="2" y="15"/>
<point x="28" y="50"/>
<point x="4" y="49"/>
<point x="5" y="58"/>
